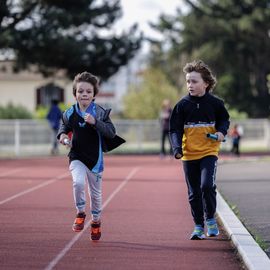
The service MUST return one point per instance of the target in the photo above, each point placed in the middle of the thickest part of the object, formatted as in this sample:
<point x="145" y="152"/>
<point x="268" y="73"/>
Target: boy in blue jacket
<point x="194" y="116"/>
<point x="92" y="134"/>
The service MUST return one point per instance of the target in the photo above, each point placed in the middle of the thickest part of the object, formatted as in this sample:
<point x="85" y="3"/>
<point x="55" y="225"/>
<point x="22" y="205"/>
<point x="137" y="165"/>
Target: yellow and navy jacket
<point x="191" y="119"/>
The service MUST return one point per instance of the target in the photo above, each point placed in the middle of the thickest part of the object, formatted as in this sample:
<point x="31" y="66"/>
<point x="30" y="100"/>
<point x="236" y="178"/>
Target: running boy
<point x="193" y="117"/>
<point x="93" y="132"/>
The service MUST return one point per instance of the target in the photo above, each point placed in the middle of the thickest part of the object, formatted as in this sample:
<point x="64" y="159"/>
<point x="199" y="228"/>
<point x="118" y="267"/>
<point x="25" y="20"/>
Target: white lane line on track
<point x="48" y="182"/>
<point x="63" y="252"/>
<point x="11" y="172"/>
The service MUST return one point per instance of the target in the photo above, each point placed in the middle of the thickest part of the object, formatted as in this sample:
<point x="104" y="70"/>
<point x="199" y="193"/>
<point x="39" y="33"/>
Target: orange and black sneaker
<point x="78" y="224"/>
<point x="95" y="230"/>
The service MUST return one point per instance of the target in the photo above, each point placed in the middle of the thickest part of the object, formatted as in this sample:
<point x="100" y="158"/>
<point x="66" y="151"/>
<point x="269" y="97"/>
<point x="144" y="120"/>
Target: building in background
<point x="30" y="89"/>
<point x="120" y="82"/>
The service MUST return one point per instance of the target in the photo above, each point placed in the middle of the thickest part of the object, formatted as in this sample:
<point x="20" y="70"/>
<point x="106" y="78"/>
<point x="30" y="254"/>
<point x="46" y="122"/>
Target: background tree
<point x="144" y="101"/>
<point x="66" y="34"/>
<point x="233" y="38"/>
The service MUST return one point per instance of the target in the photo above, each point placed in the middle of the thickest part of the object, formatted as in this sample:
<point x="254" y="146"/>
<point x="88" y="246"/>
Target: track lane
<point x="69" y="245"/>
<point x="146" y="226"/>
<point x="34" y="188"/>
<point x="35" y="227"/>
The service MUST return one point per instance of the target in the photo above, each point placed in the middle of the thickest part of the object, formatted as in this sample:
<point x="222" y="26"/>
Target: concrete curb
<point x="253" y="256"/>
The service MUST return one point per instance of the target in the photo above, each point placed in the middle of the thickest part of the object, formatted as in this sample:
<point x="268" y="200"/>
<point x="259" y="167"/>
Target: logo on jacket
<point x="82" y="124"/>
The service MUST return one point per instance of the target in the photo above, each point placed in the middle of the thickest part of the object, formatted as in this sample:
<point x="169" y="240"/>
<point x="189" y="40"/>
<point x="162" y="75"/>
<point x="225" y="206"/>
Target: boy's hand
<point x="220" y="136"/>
<point x="63" y="136"/>
<point x="178" y="153"/>
<point x="88" y="118"/>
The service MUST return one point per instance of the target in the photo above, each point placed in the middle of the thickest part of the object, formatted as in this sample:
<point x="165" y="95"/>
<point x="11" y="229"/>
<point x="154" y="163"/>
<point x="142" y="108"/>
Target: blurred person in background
<point x="164" y="118"/>
<point x="54" y="116"/>
<point x="236" y="133"/>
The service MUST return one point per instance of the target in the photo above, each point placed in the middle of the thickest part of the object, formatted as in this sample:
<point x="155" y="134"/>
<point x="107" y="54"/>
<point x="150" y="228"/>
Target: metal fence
<point x="33" y="137"/>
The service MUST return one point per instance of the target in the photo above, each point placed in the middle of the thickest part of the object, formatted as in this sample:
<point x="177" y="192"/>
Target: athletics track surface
<point x="146" y="219"/>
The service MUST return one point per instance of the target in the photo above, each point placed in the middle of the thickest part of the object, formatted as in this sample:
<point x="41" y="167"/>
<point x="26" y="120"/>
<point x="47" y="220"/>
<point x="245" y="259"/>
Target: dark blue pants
<point x="200" y="177"/>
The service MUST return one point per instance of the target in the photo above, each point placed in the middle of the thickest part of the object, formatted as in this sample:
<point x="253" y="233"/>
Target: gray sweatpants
<point x="80" y="173"/>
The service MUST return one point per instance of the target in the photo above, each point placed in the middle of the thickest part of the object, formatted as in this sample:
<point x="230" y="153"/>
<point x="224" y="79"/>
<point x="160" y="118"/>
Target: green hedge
<point x="11" y="111"/>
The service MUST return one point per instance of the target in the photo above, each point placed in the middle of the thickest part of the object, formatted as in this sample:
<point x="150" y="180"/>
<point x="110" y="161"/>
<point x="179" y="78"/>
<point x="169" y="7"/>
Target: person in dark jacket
<point x="235" y="136"/>
<point x="197" y="114"/>
<point x="54" y="116"/>
<point x="92" y="133"/>
<point x="164" y="118"/>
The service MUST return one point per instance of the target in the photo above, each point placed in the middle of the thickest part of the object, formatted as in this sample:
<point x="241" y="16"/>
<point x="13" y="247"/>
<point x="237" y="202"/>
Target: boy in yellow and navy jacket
<point x="194" y="116"/>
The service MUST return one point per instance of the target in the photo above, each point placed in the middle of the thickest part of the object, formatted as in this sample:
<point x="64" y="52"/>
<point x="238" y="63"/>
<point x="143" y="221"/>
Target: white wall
<point x="24" y="92"/>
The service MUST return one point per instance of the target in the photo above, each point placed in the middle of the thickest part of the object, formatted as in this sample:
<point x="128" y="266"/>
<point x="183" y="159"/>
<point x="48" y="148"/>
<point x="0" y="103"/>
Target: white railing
<point x="22" y="137"/>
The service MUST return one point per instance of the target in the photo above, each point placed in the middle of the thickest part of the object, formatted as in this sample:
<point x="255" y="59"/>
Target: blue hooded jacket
<point x="54" y="116"/>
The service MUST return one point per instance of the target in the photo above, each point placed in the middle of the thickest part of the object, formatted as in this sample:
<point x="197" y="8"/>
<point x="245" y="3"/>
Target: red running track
<point x="146" y="219"/>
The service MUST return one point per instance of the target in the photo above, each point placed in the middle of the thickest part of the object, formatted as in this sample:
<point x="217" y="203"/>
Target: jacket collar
<point x="194" y="99"/>
<point x="91" y="109"/>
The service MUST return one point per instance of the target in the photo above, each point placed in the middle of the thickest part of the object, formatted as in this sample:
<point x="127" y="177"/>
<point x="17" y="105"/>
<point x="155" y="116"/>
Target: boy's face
<point x="195" y="84"/>
<point x="84" y="94"/>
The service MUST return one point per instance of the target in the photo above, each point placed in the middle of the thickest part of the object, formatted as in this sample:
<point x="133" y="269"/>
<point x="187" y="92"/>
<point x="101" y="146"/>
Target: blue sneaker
<point x="198" y="233"/>
<point x="212" y="227"/>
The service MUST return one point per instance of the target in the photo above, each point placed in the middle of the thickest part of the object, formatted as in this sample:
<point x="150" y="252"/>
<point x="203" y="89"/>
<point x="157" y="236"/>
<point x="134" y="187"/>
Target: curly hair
<point x="200" y="67"/>
<point x="86" y="77"/>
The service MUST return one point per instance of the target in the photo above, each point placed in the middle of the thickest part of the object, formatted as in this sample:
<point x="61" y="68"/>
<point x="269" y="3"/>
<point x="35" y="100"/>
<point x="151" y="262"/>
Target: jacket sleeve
<point x="222" y="119"/>
<point x="110" y="140"/>
<point x="176" y="130"/>
<point x="64" y="127"/>
<point x="105" y="125"/>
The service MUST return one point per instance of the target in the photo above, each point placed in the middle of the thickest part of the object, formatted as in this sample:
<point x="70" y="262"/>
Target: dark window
<point x="45" y="94"/>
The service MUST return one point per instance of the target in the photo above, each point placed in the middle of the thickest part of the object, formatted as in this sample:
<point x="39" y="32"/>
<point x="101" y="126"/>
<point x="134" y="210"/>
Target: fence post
<point x="17" y="138"/>
<point x="139" y="136"/>
<point x="267" y="133"/>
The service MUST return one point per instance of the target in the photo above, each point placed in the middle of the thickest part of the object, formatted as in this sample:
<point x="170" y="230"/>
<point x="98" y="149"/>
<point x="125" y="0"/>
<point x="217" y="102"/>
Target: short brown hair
<point x="200" y="67"/>
<point x="86" y="77"/>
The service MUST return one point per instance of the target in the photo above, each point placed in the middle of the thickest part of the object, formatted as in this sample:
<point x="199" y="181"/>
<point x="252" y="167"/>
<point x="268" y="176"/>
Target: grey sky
<point x="144" y="11"/>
